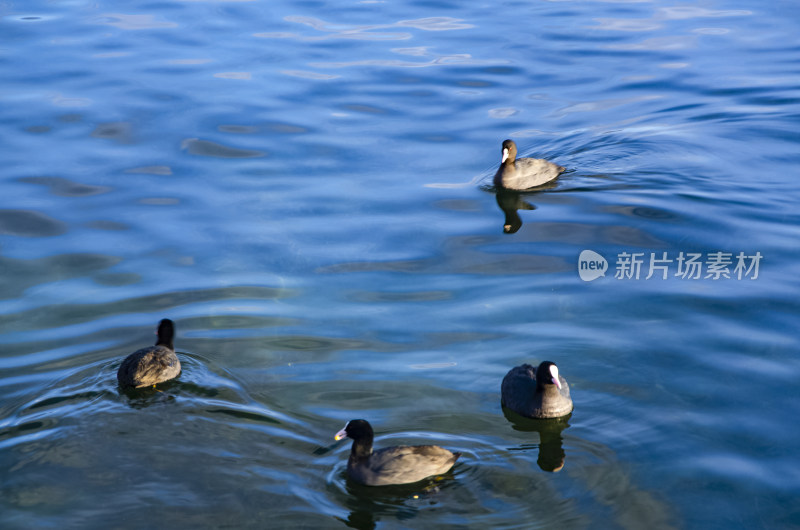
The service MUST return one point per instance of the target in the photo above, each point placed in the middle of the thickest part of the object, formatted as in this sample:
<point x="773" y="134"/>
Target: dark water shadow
<point x="200" y="147"/>
<point x="368" y="504"/>
<point x="552" y="457"/>
<point x="63" y="187"/>
<point x="138" y="398"/>
<point x="30" y="223"/>
<point x="511" y="201"/>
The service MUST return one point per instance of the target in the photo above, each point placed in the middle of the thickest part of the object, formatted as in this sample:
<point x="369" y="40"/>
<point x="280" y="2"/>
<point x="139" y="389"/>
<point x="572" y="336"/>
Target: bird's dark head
<point x="356" y="430"/>
<point x="509" y="151"/>
<point x="166" y="332"/>
<point x="547" y="374"/>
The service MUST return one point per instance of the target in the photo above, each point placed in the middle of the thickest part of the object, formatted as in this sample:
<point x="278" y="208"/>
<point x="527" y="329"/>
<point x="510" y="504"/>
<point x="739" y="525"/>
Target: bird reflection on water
<point x="510" y="202"/>
<point x="551" y="449"/>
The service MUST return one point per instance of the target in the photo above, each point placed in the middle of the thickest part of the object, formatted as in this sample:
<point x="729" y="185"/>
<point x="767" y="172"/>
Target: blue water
<point x="305" y="189"/>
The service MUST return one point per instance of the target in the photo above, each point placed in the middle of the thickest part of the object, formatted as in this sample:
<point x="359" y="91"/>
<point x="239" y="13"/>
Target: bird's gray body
<point x="520" y="393"/>
<point x="402" y="464"/>
<point x="149" y="366"/>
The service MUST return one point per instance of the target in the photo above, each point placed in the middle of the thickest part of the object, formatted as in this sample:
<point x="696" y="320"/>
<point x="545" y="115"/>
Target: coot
<point x="153" y="365"/>
<point x="523" y="173"/>
<point x="393" y="465"/>
<point x="536" y="393"/>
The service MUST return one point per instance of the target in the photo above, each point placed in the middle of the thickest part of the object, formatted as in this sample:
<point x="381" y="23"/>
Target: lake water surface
<point x="304" y="187"/>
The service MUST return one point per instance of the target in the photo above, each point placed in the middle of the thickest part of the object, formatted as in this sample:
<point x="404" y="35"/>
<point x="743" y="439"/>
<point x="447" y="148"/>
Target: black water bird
<point x="401" y="464"/>
<point x="536" y="392"/>
<point x="153" y="365"/>
<point x="523" y="173"/>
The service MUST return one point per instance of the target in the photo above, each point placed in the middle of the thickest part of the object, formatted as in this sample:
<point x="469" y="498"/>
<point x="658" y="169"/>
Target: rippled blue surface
<point x="303" y="188"/>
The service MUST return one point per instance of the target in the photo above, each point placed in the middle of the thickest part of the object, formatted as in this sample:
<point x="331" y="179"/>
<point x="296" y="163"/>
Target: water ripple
<point x="196" y="146"/>
<point x="365" y="32"/>
<point x="133" y="22"/>
<point x="265" y="176"/>
<point x="26" y="223"/>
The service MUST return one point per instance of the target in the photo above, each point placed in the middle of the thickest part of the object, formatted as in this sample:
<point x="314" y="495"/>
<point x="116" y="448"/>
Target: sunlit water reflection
<point x="306" y="190"/>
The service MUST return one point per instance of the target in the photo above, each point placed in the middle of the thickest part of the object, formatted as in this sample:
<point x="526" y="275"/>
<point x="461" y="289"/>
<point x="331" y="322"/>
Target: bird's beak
<point x="339" y="435"/>
<point x="554" y="375"/>
<point x="505" y="155"/>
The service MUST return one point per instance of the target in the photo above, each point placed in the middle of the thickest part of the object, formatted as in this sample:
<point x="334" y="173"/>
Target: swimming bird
<point x="401" y="464"/>
<point x="153" y="365"/>
<point x="523" y="173"/>
<point x="536" y="393"/>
